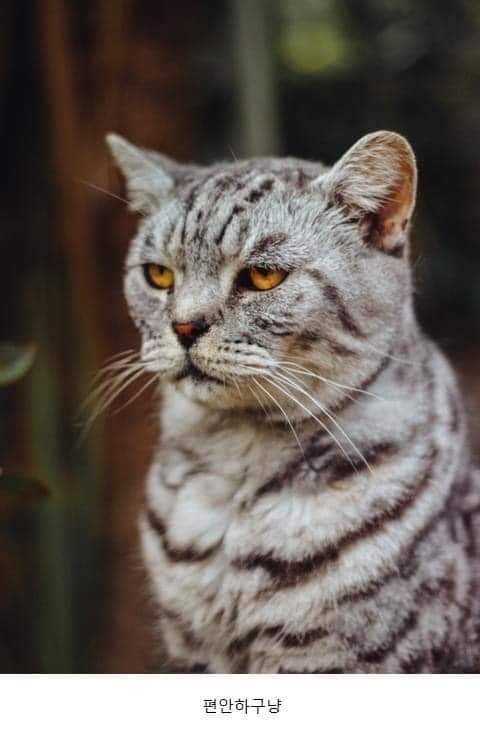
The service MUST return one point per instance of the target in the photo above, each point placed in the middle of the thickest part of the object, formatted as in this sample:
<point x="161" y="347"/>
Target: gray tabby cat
<point x="312" y="506"/>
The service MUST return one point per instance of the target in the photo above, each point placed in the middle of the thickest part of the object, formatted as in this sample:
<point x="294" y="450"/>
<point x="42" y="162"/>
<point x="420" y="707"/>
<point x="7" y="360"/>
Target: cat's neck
<point x="193" y="424"/>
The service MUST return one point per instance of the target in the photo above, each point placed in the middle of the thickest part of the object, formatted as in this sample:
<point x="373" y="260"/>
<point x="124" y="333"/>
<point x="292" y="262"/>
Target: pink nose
<point x="184" y="329"/>
<point x="189" y="332"/>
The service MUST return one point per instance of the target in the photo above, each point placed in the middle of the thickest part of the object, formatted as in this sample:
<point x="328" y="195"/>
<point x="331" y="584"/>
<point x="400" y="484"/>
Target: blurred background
<point x="200" y="81"/>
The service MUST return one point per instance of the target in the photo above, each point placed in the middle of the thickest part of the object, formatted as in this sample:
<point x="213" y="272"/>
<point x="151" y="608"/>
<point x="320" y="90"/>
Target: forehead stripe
<point x="189" y="205"/>
<point x="257" y="193"/>
<point x="208" y="203"/>
<point x="237" y="209"/>
<point x="270" y="241"/>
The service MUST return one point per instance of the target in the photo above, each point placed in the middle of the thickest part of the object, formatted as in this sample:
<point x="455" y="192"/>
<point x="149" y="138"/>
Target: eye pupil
<point x="158" y="276"/>
<point x="260" y="278"/>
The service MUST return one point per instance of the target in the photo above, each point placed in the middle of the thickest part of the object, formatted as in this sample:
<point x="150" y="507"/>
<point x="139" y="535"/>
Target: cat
<point x="312" y="506"/>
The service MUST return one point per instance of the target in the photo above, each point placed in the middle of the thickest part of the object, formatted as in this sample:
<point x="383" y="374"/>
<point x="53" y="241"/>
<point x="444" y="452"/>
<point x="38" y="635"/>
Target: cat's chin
<point x="205" y="392"/>
<point x="198" y="376"/>
<point x="209" y="392"/>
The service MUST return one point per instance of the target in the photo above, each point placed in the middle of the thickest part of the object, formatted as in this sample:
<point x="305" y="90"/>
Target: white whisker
<point x="109" y="384"/>
<point x="259" y="400"/>
<point x="112" y="387"/>
<point x="115" y="362"/>
<point x="235" y="381"/>
<point x="102" y="190"/>
<point x="390" y="356"/>
<point x="283" y="413"/>
<point x="315" y="417"/>
<point x="137" y="394"/>
<point x="303" y="370"/>
<point x="112" y="394"/>
<point x="120" y="354"/>
<point x="326" y="412"/>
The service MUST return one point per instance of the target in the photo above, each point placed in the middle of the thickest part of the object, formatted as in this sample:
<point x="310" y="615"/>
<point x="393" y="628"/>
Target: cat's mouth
<point x="193" y="372"/>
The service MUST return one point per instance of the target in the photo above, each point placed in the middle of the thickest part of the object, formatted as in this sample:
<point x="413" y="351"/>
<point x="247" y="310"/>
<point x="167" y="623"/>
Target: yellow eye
<point x="262" y="279"/>
<point x="158" y="276"/>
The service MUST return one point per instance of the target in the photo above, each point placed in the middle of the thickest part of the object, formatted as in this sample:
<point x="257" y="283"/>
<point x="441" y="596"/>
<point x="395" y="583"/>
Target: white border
<point x="137" y="703"/>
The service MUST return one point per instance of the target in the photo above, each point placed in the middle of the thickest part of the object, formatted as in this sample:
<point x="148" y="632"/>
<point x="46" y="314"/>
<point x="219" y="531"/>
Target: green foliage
<point x="19" y="492"/>
<point x="15" y="361"/>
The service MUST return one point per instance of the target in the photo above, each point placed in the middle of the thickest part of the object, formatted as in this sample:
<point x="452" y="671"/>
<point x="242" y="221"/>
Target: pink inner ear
<point x="393" y="217"/>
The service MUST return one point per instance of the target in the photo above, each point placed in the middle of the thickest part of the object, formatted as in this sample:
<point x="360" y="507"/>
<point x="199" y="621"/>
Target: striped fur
<point x="312" y="506"/>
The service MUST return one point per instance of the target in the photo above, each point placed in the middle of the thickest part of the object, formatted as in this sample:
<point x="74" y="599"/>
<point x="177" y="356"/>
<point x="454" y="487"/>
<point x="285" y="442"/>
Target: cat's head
<point x="242" y="272"/>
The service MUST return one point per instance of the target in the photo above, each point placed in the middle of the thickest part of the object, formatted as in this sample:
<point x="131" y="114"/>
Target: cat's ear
<point x="146" y="173"/>
<point x="377" y="181"/>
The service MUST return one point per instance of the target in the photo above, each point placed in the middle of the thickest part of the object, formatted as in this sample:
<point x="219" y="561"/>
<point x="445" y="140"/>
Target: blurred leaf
<point x="315" y="47"/>
<point x="15" y="361"/>
<point x="20" y="492"/>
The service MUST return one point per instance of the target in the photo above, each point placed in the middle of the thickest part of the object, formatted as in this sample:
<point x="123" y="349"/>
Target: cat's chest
<point x="200" y="523"/>
<point x="199" y="483"/>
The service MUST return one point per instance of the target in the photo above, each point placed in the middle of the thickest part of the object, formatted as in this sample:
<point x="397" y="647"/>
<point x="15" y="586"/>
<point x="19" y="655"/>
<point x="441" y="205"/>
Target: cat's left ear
<point x="376" y="180"/>
<point x="146" y="173"/>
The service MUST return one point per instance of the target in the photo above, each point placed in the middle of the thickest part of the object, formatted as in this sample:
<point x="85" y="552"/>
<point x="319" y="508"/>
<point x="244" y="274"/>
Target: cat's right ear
<point x="148" y="182"/>
<point x="376" y="182"/>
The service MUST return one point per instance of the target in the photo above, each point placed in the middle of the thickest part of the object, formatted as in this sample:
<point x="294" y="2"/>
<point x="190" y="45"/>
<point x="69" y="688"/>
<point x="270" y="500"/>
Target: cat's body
<point x="331" y="529"/>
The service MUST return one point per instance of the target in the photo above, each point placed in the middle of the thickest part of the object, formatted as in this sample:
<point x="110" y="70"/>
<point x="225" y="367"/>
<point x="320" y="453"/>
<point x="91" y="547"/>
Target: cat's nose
<point x="189" y="332"/>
